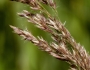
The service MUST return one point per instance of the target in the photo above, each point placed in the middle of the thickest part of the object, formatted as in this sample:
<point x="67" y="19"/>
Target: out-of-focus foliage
<point x="17" y="54"/>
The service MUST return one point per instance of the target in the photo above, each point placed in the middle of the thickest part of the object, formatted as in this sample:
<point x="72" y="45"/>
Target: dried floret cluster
<point x="77" y="56"/>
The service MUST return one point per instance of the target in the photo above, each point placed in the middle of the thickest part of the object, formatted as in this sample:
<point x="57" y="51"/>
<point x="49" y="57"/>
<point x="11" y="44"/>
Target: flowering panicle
<point x="77" y="56"/>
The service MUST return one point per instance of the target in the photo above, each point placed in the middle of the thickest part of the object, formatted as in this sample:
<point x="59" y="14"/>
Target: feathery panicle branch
<point x="77" y="57"/>
<point x="40" y="42"/>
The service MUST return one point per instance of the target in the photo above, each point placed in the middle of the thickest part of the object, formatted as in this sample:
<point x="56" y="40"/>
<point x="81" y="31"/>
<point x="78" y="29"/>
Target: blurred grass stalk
<point x="75" y="54"/>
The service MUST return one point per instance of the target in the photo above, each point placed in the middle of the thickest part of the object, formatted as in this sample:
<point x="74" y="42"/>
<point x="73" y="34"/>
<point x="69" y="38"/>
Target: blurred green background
<point x="17" y="54"/>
